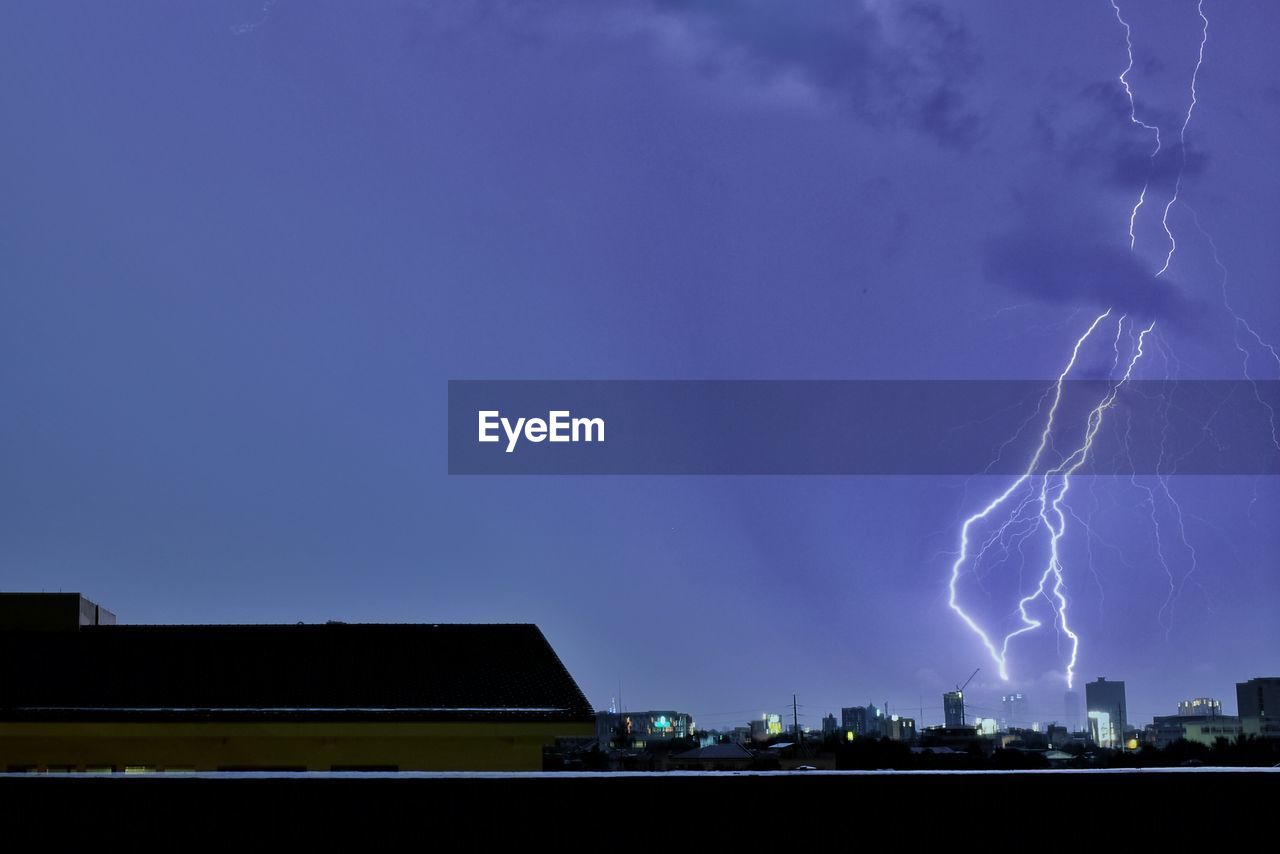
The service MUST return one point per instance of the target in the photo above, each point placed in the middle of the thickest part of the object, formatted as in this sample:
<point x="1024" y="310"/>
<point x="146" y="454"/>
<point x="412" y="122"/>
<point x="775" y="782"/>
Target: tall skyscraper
<point x="853" y="720"/>
<point x="1071" y="709"/>
<point x="1017" y="711"/>
<point x="953" y="708"/>
<point x="863" y="721"/>
<point x="1106" y="708"/>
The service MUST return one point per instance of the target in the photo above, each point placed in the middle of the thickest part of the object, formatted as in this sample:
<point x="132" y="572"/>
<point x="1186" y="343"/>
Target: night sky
<point x="243" y="248"/>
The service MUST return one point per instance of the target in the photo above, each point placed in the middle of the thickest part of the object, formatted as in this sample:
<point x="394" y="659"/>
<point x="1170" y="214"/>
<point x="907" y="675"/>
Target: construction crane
<point x="960" y="688"/>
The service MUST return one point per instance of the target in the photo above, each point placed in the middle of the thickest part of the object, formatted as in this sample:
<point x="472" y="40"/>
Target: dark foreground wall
<point x="589" y="811"/>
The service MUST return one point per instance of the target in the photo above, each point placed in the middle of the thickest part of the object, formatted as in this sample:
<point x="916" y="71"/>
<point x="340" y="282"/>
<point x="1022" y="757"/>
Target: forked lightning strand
<point x="1182" y="139"/>
<point x="1025" y="510"/>
<point x="1050" y="516"/>
<point x="1133" y="117"/>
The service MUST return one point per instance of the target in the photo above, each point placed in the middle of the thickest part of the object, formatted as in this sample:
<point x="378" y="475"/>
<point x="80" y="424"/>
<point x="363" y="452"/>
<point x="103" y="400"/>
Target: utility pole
<point x="795" y="720"/>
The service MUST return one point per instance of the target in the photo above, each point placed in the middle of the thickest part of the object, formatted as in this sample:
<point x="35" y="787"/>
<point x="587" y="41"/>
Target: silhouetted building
<point x="830" y="726"/>
<point x="1107" y="714"/>
<point x="82" y="694"/>
<point x="961" y="739"/>
<point x="953" y="709"/>
<point x="1017" y="711"/>
<point x="1071" y="708"/>
<point x="862" y="722"/>
<point x="714" y="757"/>
<point x="1258" y="702"/>
<point x="900" y="728"/>
<point x="46" y="612"/>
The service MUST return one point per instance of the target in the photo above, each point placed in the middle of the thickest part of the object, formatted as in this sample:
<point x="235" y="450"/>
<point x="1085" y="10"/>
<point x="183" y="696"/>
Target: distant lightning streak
<point x="1133" y="117"/>
<point x="1182" y="139"/>
<point x="1240" y="324"/>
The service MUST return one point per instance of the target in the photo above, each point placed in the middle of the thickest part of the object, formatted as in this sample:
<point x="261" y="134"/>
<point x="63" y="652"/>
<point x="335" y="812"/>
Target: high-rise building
<point x="853" y="721"/>
<point x="1106" y="709"/>
<point x="862" y="721"/>
<point x="953" y="708"/>
<point x="830" y="726"/>
<point x="1258" y="703"/>
<point x="1017" y="711"/>
<point x="1071" y="710"/>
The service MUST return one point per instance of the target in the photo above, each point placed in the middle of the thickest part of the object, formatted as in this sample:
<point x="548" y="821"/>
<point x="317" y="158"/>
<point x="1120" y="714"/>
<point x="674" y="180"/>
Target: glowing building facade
<point x="636" y="729"/>
<point x="1200" y="707"/>
<point x="1107" y="712"/>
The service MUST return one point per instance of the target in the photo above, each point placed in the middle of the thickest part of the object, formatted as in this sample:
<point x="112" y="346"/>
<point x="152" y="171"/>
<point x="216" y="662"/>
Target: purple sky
<point x="240" y="263"/>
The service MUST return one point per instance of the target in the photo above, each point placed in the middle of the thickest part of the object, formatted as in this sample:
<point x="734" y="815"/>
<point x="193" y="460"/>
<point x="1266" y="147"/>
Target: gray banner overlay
<point x="876" y="427"/>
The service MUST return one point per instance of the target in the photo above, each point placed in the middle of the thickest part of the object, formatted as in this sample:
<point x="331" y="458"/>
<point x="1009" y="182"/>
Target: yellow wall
<point x="208" y="746"/>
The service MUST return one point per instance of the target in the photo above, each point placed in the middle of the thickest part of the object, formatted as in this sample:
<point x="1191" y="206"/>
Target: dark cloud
<point x="1056" y="263"/>
<point x="1093" y="136"/>
<point x="906" y="66"/>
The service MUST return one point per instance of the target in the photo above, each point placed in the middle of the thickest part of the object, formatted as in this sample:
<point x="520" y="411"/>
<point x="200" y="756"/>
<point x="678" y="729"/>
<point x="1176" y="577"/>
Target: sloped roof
<point x="714" y="752"/>
<point x="336" y="670"/>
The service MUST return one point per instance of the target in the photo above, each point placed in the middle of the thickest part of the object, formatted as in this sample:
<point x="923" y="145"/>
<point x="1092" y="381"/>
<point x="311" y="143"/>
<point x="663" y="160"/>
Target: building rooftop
<point x="308" y="671"/>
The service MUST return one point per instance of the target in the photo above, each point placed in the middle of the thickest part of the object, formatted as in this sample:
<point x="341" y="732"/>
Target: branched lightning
<point x="1240" y="325"/>
<point x="1046" y="502"/>
<point x="1035" y="503"/>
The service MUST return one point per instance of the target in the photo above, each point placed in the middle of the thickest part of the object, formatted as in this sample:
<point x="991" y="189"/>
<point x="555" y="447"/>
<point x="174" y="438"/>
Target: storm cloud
<point x="1060" y="265"/>
<point x="895" y="67"/>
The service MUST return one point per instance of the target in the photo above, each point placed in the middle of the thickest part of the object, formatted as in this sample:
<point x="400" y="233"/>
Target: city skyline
<point x="931" y="711"/>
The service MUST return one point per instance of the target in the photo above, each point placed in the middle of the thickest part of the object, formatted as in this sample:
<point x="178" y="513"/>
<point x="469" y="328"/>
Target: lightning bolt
<point x="1182" y="139"/>
<point x="1034" y="503"/>
<point x="1133" y="117"/>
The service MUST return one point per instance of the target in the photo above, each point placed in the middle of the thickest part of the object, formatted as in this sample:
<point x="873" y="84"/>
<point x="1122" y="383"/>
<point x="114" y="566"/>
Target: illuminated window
<point x="138" y="769"/>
